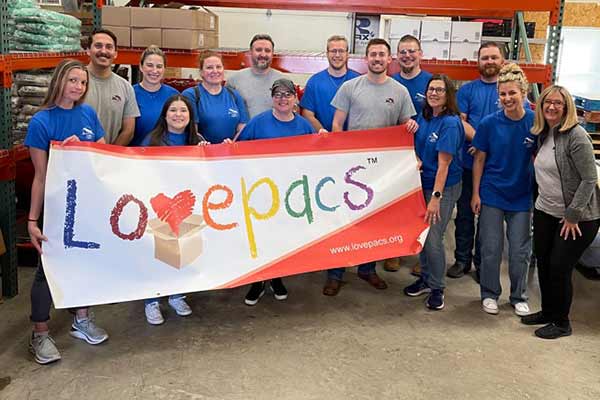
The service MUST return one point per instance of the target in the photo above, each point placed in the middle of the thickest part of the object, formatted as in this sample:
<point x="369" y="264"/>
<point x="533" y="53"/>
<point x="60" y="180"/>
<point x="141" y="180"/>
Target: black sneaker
<point x="435" y="301"/>
<point x="553" y="331"/>
<point x="279" y="290"/>
<point x="257" y="290"/>
<point x="537" y="318"/>
<point x="458" y="270"/>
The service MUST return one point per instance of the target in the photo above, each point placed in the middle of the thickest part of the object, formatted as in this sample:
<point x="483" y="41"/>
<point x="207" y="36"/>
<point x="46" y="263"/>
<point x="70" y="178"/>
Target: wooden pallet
<point x="586" y="103"/>
<point x="592" y="116"/>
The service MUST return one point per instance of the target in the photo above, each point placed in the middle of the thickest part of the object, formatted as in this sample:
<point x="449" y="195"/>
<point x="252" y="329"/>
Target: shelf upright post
<point x="514" y="39"/>
<point x="97" y="13"/>
<point x="523" y="34"/>
<point x="8" y="207"/>
<point x="554" y="33"/>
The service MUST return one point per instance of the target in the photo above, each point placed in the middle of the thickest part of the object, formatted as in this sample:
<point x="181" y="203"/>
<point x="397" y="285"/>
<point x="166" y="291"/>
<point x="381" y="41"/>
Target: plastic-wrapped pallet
<point x="36" y="29"/>
<point x="28" y="93"/>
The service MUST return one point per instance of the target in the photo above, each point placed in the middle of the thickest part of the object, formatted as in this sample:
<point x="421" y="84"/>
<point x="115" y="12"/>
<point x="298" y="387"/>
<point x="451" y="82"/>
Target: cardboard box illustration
<point x="182" y="250"/>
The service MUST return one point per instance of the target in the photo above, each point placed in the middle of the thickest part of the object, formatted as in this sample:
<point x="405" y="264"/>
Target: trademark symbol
<point x="372" y="160"/>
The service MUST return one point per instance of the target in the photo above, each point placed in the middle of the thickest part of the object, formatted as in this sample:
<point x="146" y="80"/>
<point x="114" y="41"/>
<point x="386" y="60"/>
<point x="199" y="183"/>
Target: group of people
<point x="478" y="148"/>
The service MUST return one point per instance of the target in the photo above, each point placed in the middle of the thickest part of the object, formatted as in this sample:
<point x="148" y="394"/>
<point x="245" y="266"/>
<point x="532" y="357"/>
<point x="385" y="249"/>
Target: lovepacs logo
<point x="177" y="231"/>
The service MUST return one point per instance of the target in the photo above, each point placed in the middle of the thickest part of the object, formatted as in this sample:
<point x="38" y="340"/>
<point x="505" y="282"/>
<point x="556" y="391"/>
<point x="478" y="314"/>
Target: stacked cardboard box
<point x="466" y="39"/>
<point x="435" y="38"/>
<point x="164" y="27"/>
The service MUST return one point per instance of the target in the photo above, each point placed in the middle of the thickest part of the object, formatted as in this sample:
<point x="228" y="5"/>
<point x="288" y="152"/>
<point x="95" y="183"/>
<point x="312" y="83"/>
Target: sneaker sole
<point x="416" y="294"/>
<point x="522" y="313"/>
<point x="254" y="302"/>
<point x="182" y="314"/>
<point x="42" y="361"/>
<point x="279" y="297"/>
<point x="80" y="335"/>
<point x="491" y="311"/>
<point x="155" y="322"/>
<point x="438" y="308"/>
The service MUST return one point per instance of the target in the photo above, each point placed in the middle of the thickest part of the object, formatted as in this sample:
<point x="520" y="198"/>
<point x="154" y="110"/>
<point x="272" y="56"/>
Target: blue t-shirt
<point x="507" y="177"/>
<point x="173" y="139"/>
<point x="58" y="124"/>
<point x="440" y="134"/>
<point x="416" y="87"/>
<point x="318" y="93"/>
<point x="218" y="115"/>
<point x="266" y="126"/>
<point x="150" y="104"/>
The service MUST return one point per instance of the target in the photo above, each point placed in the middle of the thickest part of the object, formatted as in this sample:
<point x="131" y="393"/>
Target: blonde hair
<point x="59" y="80"/>
<point x="337" y="38"/>
<point x="153" y="50"/>
<point x="569" y="117"/>
<point x="511" y="72"/>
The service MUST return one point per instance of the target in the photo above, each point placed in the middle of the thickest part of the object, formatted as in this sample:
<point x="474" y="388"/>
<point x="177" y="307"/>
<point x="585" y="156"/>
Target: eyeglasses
<point x="337" y="51"/>
<point x="555" y="103"/>
<point x="407" y="51"/>
<point x="279" y="95"/>
<point x="437" y="90"/>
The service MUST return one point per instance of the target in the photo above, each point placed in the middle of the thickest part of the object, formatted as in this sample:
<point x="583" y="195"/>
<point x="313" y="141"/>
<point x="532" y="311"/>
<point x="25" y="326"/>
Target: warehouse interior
<point x="361" y="344"/>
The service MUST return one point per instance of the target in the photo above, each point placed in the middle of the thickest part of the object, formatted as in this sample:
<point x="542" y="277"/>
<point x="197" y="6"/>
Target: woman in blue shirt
<point x="438" y="144"/>
<point x="63" y="117"/>
<point x="173" y="128"/>
<point x="220" y="111"/>
<point x="502" y="190"/>
<point x="150" y="93"/>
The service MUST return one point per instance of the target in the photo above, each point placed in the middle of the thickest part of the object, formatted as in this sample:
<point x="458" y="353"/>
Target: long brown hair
<point x="450" y="108"/>
<point x="159" y="135"/>
<point x="59" y="80"/>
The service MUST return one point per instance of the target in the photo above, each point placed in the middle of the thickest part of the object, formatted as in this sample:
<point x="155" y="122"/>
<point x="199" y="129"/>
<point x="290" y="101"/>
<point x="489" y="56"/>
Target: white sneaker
<point x="522" y="309"/>
<point x="153" y="314"/>
<point x="180" y="306"/>
<point x="490" y="306"/>
<point x="43" y="348"/>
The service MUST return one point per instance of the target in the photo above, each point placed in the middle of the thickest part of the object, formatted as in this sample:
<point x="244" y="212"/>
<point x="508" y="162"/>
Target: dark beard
<point x="407" y="70"/>
<point x="489" y="72"/>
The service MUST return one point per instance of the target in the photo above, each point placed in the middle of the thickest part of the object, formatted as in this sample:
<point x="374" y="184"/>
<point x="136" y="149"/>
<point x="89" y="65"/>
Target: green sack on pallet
<point x="18" y="4"/>
<point x="32" y="38"/>
<point x="45" y="17"/>
<point x="48" y="30"/>
<point x="19" y="46"/>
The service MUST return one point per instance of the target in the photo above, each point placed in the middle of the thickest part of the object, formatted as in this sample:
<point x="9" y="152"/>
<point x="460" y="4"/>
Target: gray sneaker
<point x="43" y="348"/>
<point x="87" y="330"/>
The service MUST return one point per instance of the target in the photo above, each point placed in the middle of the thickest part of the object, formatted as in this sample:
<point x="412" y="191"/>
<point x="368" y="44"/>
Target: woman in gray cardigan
<point x="567" y="211"/>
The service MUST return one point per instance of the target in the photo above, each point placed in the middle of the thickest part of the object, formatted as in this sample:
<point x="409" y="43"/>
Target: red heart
<point x="174" y="211"/>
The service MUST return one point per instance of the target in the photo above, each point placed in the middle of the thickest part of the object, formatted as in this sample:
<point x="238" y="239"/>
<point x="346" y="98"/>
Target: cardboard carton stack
<point x="168" y="28"/>
<point x="466" y="39"/>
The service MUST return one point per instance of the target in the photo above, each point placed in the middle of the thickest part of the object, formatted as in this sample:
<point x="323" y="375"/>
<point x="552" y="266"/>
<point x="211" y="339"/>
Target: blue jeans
<point x="173" y="297"/>
<point x="465" y="225"/>
<point x="433" y="256"/>
<point x="518" y="233"/>
<point x="364" y="269"/>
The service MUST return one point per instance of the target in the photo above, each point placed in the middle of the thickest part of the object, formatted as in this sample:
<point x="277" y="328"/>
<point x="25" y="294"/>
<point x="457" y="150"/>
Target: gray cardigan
<point x="578" y="175"/>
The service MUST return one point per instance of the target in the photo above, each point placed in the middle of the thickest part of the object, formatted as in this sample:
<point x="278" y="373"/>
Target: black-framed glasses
<point x="407" y="51"/>
<point x="437" y="90"/>
<point x="279" y="95"/>
<point x="555" y="103"/>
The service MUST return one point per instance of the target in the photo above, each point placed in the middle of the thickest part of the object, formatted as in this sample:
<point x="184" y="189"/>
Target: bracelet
<point x="31" y="220"/>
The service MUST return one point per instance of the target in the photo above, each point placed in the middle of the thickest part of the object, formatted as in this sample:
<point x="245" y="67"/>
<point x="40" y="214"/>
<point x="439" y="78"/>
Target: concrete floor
<point x="362" y="344"/>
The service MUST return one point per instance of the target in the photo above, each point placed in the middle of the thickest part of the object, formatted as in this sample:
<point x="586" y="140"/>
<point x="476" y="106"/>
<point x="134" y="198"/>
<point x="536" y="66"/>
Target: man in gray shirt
<point x="110" y="95"/>
<point x="373" y="100"/>
<point x="254" y="83"/>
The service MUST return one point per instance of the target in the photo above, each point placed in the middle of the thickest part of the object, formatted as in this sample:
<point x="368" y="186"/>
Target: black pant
<point x="41" y="300"/>
<point x="556" y="258"/>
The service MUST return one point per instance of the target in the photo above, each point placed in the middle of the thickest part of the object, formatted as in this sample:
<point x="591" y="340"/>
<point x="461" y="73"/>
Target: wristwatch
<point x="437" y="194"/>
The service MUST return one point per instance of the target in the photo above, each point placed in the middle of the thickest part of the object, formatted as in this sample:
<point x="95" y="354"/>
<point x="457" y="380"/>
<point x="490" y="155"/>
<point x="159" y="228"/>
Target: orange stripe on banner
<point x="392" y="138"/>
<point x="413" y="205"/>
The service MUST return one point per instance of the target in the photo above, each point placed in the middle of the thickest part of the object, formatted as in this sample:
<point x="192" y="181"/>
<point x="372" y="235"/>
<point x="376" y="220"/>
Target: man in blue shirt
<point x="411" y="75"/>
<point x="476" y="99"/>
<point x="322" y="86"/>
<point x="415" y="80"/>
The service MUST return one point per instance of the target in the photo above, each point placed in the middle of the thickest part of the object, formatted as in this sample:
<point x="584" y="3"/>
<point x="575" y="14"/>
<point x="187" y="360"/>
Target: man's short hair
<point x="378" y="41"/>
<point x="410" y="38"/>
<point x="262" y="36"/>
<point x="487" y="45"/>
<point x="337" y="38"/>
<point x="104" y="31"/>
